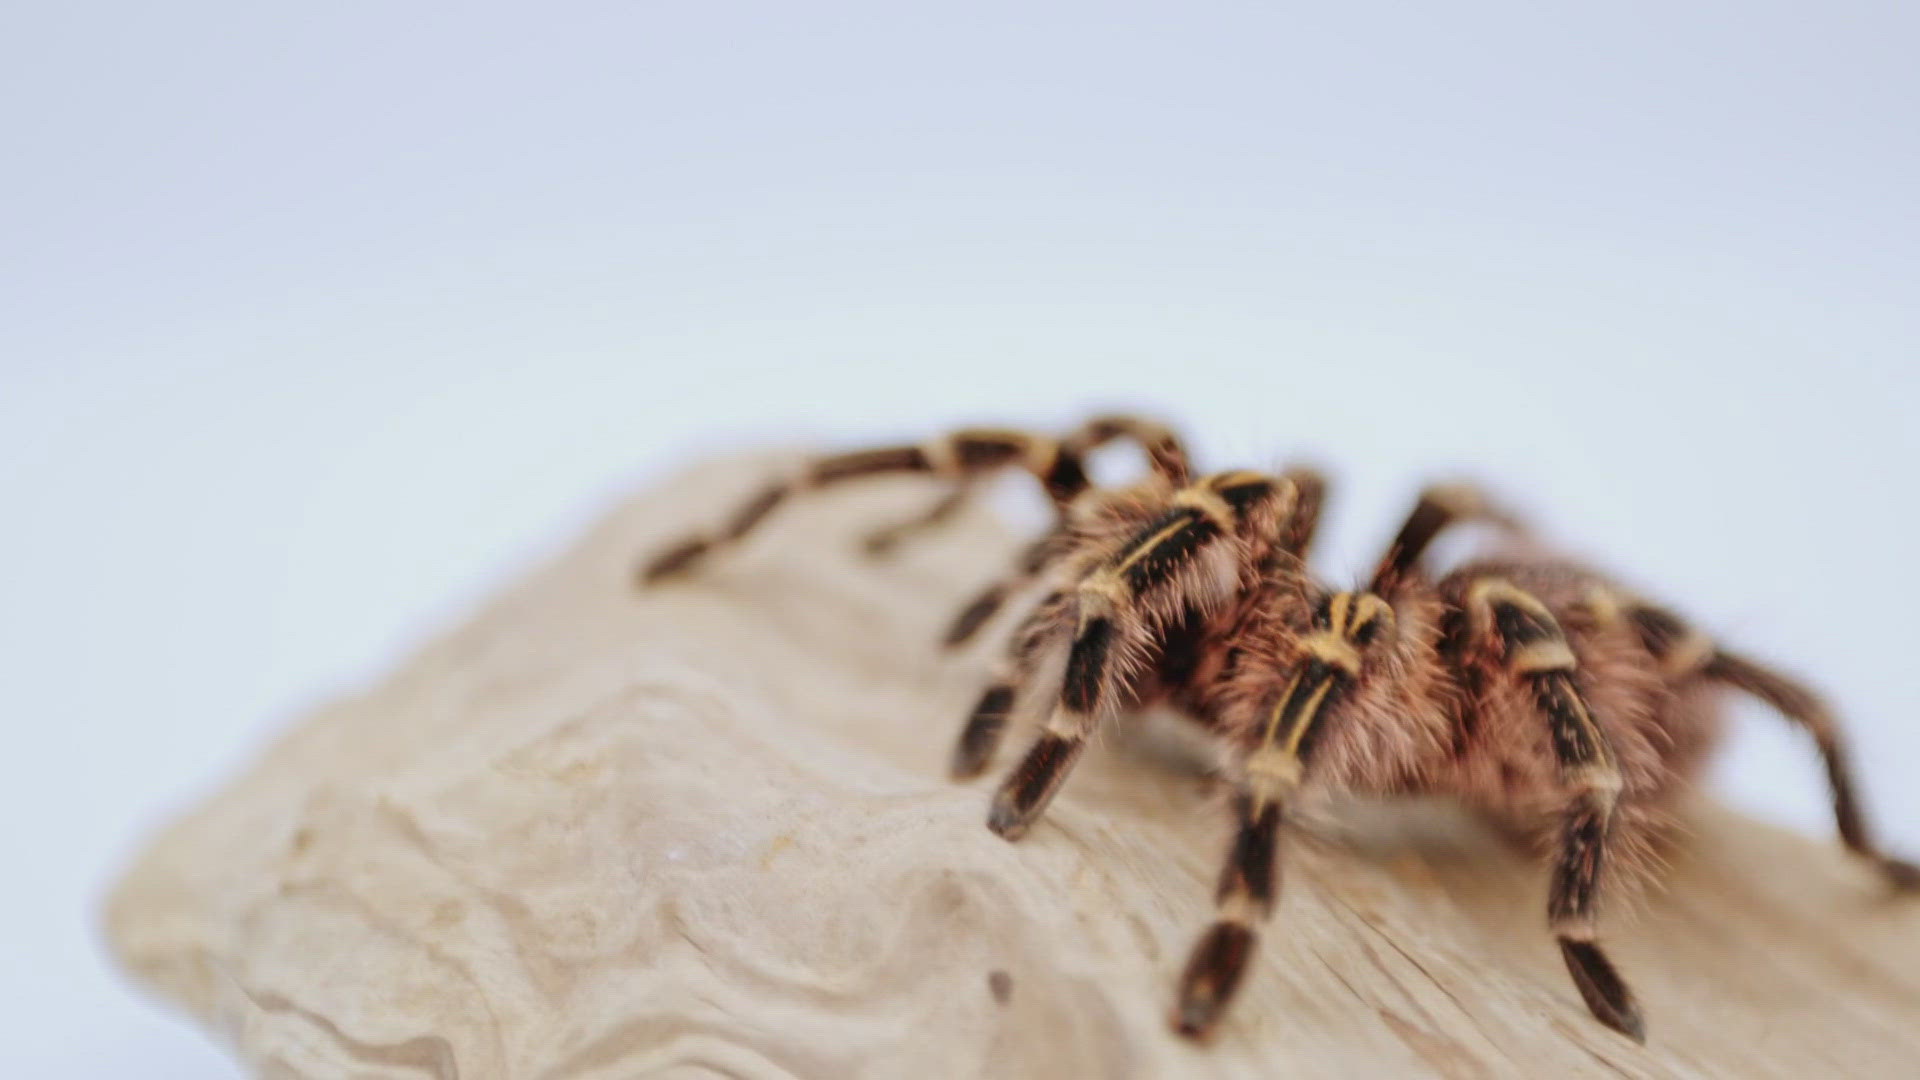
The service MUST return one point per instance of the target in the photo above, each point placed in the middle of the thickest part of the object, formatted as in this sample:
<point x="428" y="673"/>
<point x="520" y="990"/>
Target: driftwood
<point x="706" y="832"/>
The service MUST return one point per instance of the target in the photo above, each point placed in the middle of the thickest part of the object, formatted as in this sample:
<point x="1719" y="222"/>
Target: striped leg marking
<point x="961" y="456"/>
<point x="1166" y="455"/>
<point x="964" y="455"/>
<point x="1534" y="651"/>
<point x="1249" y="884"/>
<point x="1343" y="625"/>
<point x="987" y="723"/>
<point x="1107" y="600"/>
<point x="1086" y="691"/>
<point x="978" y="452"/>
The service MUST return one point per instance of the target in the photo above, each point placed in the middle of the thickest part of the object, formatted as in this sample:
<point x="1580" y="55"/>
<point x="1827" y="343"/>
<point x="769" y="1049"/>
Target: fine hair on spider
<point x="1526" y="686"/>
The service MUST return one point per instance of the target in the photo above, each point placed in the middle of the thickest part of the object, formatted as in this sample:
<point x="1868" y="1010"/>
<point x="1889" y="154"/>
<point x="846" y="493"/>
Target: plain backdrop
<point x="317" y="324"/>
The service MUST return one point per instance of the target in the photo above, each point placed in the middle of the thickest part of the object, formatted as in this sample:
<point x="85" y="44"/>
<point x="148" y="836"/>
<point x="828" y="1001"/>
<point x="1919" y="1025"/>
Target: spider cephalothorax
<point x="1525" y="686"/>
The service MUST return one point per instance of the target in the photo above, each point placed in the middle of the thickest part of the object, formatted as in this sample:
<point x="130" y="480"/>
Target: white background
<point x="316" y="326"/>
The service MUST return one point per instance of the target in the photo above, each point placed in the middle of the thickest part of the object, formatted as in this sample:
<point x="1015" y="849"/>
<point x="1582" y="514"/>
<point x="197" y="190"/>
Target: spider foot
<point x="1027" y="791"/>
<point x="1213" y="973"/>
<point x="1605" y="992"/>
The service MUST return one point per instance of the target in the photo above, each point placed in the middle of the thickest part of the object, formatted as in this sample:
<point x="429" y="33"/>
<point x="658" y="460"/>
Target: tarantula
<point x="1525" y="686"/>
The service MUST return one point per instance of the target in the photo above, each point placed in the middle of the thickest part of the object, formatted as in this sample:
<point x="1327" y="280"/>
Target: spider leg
<point x="962" y="456"/>
<point x="1091" y="684"/>
<point x="883" y="540"/>
<point x="1166" y="457"/>
<point x="1166" y="454"/>
<point x="1439" y="506"/>
<point x="682" y="556"/>
<point x="1158" y="570"/>
<point x="1016" y="679"/>
<point x="1294" y="533"/>
<point x="977" y="612"/>
<point x="1533" y="651"/>
<point x="1249" y="883"/>
<point x="1294" y="537"/>
<point x="1684" y="652"/>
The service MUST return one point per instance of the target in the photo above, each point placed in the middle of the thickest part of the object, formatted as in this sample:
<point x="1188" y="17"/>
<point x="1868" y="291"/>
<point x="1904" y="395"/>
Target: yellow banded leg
<point x="1528" y="642"/>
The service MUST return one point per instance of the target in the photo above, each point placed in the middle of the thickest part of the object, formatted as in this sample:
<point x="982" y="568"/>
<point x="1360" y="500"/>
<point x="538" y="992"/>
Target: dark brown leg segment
<point x="1806" y="709"/>
<point x="1088" y="690"/>
<point x="1111" y="604"/>
<point x="984" y="606"/>
<point x="977" y="613"/>
<point x="1169" y="459"/>
<point x="1166" y="455"/>
<point x="963" y="456"/>
<point x="987" y="723"/>
<point x="884" y="540"/>
<point x="1530" y="646"/>
<point x="1248" y="886"/>
<point x="1303" y="523"/>
<point x="683" y="556"/>
<point x="1440" y="506"/>
<point x="1684" y="652"/>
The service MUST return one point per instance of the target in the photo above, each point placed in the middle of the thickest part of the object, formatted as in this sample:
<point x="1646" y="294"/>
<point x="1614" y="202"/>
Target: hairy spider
<point x="1524" y="686"/>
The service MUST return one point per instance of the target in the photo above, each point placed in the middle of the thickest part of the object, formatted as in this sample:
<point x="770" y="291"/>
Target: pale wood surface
<point x="705" y="832"/>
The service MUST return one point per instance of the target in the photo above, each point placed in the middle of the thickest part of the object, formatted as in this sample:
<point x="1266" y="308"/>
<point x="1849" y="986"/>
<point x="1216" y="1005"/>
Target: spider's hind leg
<point x="1529" y="650"/>
<point x="1685" y="653"/>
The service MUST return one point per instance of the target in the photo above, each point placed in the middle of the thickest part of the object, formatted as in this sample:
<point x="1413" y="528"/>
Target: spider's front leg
<point x="1249" y="884"/>
<point x="1166" y="458"/>
<point x="1277" y="747"/>
<point x="1527" y="647"/>
<point x="1194" y="556"/>
<point x="961" y="457"/>
<point x="1092" y="687"/>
